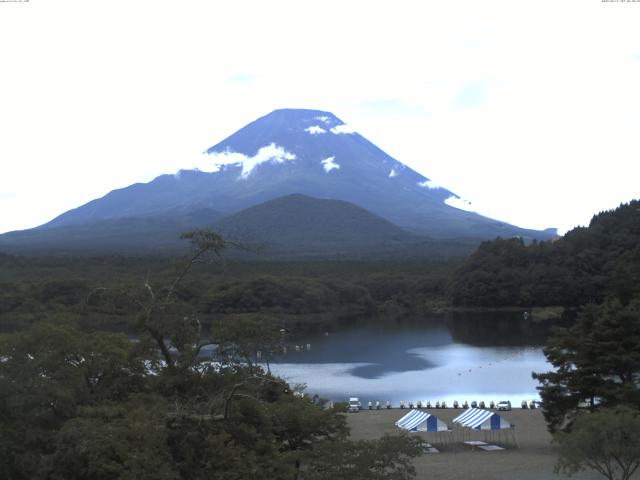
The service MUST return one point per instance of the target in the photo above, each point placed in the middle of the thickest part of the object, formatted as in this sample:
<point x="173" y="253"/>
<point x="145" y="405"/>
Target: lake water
<point x="461" y="357"/>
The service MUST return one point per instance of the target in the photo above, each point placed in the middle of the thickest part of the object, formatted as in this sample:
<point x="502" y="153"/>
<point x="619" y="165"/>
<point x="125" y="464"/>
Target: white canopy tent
<point x="476" y="419"/>
<point x="482" y="420"/>
<point x="421" y="421"/>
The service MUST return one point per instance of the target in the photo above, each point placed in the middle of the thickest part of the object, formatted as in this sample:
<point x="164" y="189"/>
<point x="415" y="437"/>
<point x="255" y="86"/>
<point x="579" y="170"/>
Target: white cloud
<point x="393" y="173"/>
<point x="328" y="164"/>
<point x="270" y="153"/>
<point x="241" y="77"/>
<point x="344" y="128"/>
<point x="429" y="184"/>
<point x="211" y="162"/>
<point x="315" y="130"/>
<point x="459" y="203"/>
<point x="323" y="118"/>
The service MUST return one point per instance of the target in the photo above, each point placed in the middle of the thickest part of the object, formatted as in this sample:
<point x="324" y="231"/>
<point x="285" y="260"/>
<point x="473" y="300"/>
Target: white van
<point x="354" y="404"/>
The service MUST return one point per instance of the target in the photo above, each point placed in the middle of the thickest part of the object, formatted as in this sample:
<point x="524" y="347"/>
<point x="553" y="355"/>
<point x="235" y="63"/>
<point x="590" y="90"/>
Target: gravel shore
<point x="533" y="458"/>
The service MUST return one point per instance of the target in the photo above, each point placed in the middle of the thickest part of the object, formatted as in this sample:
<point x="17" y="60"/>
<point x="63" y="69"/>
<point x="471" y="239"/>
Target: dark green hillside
<point x="586" y="265"/>
<point x="300" y="222"/>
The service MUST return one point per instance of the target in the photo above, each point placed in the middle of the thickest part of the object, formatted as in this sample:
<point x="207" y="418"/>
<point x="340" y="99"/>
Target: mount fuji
<point x="308" y="153"/>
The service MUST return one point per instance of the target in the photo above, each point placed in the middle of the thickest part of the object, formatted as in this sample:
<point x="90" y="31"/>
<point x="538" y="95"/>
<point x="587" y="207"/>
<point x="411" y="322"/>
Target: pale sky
<point x="529" y="109"/>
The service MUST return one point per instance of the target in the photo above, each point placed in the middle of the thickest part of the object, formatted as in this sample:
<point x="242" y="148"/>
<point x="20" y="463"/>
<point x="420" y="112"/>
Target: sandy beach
<point x="532" y="459"/>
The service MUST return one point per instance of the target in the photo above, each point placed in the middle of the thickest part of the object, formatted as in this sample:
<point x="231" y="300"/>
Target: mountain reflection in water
<point x="483" y="356"/>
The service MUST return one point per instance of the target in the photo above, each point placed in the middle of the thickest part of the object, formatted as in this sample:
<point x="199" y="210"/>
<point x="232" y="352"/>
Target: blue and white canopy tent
<point x="481" y="420"/>
<point x="476" y="419"/>
<point x="421" y="421"/>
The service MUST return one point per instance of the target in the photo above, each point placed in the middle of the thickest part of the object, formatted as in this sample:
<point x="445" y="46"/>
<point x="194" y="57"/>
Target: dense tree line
<point x="89" y="290"/>
<point x="585" y="266"/>
<point x="591" y="398"/>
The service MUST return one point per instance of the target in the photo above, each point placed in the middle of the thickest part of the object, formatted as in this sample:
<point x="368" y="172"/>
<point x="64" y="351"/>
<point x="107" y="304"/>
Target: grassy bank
<point x="533" y="460"/>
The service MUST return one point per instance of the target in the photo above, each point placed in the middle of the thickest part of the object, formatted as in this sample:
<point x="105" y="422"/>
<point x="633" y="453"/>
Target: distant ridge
<point x="289" y="227"/>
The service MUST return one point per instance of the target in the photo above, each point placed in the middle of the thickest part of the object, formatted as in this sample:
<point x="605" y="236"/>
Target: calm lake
<point x="454" y="357"/>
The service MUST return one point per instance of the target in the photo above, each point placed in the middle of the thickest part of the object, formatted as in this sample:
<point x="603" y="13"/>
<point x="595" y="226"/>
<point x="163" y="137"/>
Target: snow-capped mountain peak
<point x="297" y="151"/>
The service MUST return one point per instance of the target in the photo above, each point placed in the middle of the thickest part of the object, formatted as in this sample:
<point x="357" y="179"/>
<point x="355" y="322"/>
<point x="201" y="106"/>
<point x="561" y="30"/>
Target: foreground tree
<point x="124" y="441"/>
<point x="95" y="406"/>
<point x="47" y="376"/>
<point x="162" y="321"/>
<point x="607" y="441"/>
<point x="389" y="457"/>
<point x="597" y="363"/>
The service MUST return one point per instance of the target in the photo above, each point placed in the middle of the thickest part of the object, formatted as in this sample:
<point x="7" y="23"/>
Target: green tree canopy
<point x="584" y="266"/>
<point x="607" y="441"/>
<point x="388" y="457"/>
<point x="596" y="361"/>
<point x="87" y="405"/>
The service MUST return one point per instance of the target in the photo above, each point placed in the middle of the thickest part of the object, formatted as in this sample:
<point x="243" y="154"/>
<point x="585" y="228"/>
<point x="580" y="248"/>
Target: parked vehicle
<point x="354" y="404"/>
<point x="588" y="403"/>
<point x="474" y="404"/>
<point x="504" y="405"/>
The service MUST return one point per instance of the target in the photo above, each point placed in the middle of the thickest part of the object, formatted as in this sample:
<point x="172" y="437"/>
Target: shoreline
<point x="536" y="313"/>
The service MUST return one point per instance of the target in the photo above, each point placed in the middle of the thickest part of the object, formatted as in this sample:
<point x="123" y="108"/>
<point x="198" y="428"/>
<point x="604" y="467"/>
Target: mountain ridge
<point x="296" y="151"/>
<point x="289" y="227"/>
<point x="297" y="220"/>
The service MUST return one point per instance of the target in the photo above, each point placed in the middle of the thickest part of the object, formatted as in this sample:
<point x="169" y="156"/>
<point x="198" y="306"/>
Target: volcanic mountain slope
<point x="155" y="234"/>
<point x="293" y="226"/>
<point x="299" y="151"/>
<point x="306" y="152"/>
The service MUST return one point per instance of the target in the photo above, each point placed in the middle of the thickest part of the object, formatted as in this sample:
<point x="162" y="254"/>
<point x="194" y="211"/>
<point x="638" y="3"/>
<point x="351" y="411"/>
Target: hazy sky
<point x="528" y="109"/>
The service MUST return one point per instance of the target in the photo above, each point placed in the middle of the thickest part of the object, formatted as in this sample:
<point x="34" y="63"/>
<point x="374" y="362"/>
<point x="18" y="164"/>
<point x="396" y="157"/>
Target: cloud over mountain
<point x="285" y="153"/>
